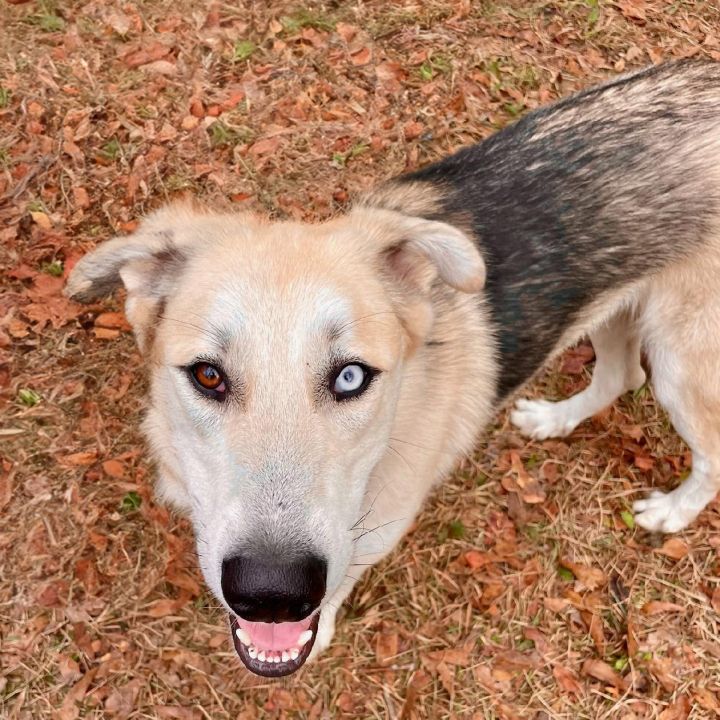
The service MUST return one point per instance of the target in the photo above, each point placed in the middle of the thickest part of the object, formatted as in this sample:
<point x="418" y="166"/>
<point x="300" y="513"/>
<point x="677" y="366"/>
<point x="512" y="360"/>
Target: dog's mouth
<point x="274" y="649"/>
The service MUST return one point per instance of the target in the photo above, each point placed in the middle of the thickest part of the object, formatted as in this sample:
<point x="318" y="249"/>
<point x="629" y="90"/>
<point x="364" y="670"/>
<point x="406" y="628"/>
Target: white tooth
<point x="294" y="654"/>
<point x="261" y="656"/>
<point x="285" y="656"/>
<point x="276" y="659"/>
<point x="252" y="652"/>
<point x="304" y="637"/>
<point x="243" y="637"/>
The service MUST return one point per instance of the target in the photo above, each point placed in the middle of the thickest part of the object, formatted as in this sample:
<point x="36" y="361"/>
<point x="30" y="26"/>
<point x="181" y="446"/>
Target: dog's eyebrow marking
<point x="219" y="337"/>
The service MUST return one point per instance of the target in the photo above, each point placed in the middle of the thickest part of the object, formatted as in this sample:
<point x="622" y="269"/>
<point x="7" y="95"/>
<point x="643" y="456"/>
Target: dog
<point x="312" y="382"/>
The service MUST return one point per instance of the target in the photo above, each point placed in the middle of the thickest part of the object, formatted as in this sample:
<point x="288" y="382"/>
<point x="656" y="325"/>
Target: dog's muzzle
<point x="275" y="603"/>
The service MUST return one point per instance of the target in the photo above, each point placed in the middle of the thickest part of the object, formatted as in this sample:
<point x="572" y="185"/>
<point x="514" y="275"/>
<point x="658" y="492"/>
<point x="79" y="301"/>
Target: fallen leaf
<point x="40" y="218"/>
<point x="602" y="671"/>
<point x="386" y="647"/>
<point x="674" y="548"/>
<point x="566" y="680"/>
<point x="265" y="146"/>
<point x="114" y="468"/>
<point x="715" y="599"/>
<point x="112" y="320"/>
<point x="679" y="710"/>
<point x="69" y="669"/>
<point x="590" y="577"/>
<point x="657" y="607"/>
<point x="661" y="668"/>
<point x="79" y="459"/>
<point x="361" y="57"/>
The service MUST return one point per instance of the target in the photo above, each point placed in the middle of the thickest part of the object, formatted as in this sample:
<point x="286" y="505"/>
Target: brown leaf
<point x="69" y="669"/>
<point x="707" y="700"/>
<point x="661" y="668"/>
<point x="345" y="31"/>
<point x="657" y="607"/>
<point x="106" y="333"/>
<point x="167" y="606"/>
<point x="6" y="484"/>
<point x="575" y="360"/>
<point x="566" y="680"/>
<point x="265" y="146"/>
<point x="183" y="580"/>
<point x="643" y="461"/>
<point x="514" y="660"/>
<point x="113" y="321"/>
<point x="631" y="638"/>
<point x="679" y="710"/>
<point x="412" y="130"/>
<point x="361" y="57"/>
<point x="715" y="599"/>
<point x="475" y="559"/>
<point x="633" y="9"/>
<point x="40" y="218"/>
<point x="79" y="459"/>
<point x="590" y="577"/>
<point x="156" y="51"/>
<point x="555" y="604"/>
<point x="81" y="197"/>
<point x="674" y="548"/>
<point x="386" y="647"/>
<point x="114" y="468"/>
<point x="69" y="710"/>
<point x="597" y="632"/>
<point x="602" y="671"/>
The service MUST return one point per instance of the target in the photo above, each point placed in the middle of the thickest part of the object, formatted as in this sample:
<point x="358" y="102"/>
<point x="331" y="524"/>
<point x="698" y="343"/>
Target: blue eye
<point x="351" y="380"/>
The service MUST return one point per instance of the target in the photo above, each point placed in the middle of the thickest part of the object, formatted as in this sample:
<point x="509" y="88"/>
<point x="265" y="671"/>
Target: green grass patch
<point x="28" y="397"/>
<point x="131" y="502"/>
<point x="54" y="268"/>
<point x="243" y="49"/>
<point x="111" y="150"/>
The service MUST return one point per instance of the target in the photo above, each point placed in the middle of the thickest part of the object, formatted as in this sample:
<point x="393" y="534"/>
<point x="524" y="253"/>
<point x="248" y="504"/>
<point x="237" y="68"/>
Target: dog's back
<point x="581" y="198"/>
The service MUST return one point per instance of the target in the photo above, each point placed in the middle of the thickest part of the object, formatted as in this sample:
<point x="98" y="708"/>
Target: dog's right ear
<point x="147" y="263"/>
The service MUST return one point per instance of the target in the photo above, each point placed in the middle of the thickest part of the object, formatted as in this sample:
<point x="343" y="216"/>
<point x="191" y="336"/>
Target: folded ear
<point x="412" y="252"/>
<point x="416" y="250"/>
<point x="147" y="263"/>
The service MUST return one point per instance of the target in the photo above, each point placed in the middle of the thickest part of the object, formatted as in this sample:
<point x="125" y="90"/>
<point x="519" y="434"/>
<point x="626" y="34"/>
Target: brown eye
<point x="208" y="379"/>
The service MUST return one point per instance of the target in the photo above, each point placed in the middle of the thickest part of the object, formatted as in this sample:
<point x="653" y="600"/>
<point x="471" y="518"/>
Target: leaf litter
<point x="503" y="599"/>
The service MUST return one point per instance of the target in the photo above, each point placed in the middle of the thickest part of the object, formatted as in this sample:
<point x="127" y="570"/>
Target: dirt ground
<point x="524" y="590"/>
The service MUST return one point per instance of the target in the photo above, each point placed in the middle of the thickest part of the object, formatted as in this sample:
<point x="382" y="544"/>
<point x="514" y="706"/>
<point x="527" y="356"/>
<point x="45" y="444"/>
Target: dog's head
<point x="277" y="353"/>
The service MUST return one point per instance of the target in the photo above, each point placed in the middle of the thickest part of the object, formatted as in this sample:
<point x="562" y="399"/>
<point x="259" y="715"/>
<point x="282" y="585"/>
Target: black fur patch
<point x="583" y="197"/>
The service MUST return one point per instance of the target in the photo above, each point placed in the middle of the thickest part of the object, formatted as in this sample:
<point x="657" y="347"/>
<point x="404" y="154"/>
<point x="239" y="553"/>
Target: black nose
<point x="273" y="589"/>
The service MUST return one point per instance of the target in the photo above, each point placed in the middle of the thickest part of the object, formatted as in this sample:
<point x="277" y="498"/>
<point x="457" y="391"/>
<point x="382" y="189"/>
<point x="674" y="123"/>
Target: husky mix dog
<point x="290" y="361"/>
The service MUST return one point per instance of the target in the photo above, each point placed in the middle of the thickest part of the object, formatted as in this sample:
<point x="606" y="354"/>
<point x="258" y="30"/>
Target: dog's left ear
<point x="416" y="250"/>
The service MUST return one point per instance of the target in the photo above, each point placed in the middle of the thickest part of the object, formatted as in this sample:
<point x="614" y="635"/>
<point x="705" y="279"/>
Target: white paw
<point x="662" y="512"/>
<point x="540" y="419"/>
<point x="326" y="630"/>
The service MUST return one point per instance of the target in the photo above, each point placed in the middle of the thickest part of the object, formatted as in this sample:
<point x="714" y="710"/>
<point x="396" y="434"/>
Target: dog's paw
<point x="661" y="512"/>
<point x="326" y="630"/>
<point x="541" y="419"/>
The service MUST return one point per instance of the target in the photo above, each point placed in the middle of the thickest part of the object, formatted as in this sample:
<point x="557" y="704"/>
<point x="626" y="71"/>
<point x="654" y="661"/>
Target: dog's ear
<point x="415" y="250"/>
<point x="412" y="253"/>
<point x="451" y="253"/>
<point x="147" y="263"/>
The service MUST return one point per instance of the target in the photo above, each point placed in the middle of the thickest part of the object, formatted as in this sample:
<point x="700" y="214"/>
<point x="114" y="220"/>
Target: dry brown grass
<point x="109" y="108"/>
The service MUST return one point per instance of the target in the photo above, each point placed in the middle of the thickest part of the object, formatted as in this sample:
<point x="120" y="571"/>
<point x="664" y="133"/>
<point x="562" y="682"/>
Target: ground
<point x="524" y="589"/>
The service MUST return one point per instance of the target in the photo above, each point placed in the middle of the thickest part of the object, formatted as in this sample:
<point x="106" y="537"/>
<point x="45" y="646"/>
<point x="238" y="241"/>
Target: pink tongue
<point x="274" y="636"/>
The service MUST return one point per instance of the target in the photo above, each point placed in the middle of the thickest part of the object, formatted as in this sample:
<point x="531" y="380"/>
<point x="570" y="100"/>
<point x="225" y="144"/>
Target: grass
<point x="87" y="560"/>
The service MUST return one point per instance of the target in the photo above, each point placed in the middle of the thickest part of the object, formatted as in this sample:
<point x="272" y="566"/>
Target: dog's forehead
<point x="284" y="287"/>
